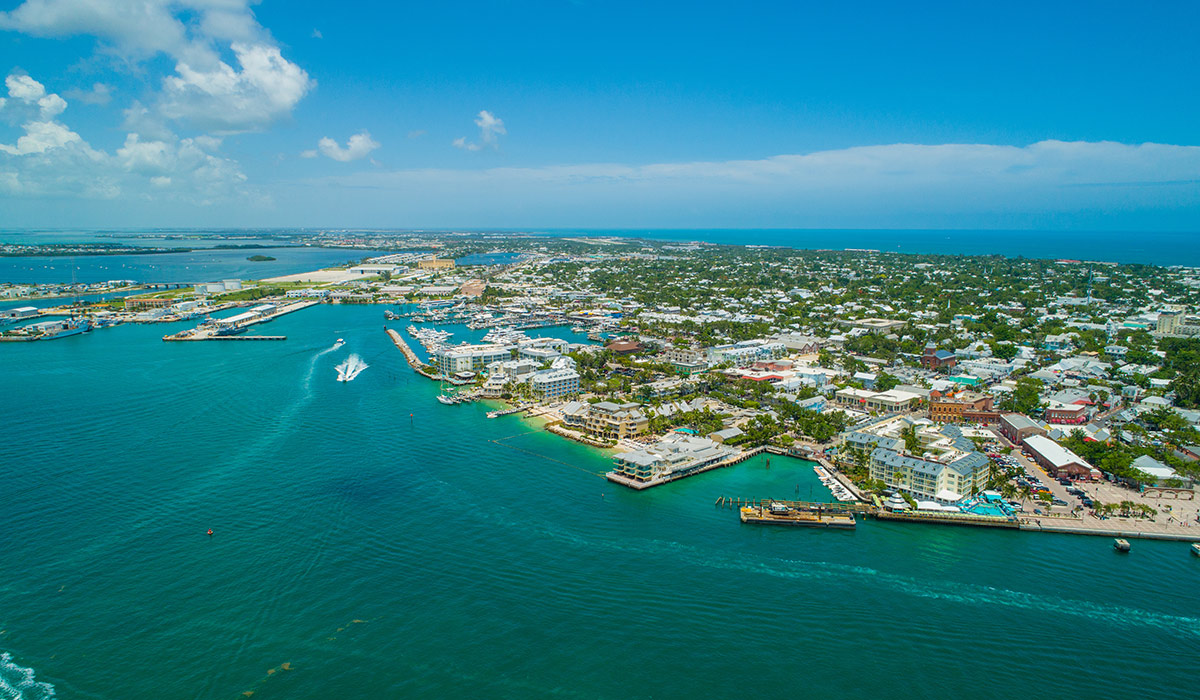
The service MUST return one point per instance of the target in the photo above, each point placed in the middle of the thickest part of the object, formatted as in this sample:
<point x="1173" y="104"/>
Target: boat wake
<point x="17" y="682"/>
<point x="350" y="368"/>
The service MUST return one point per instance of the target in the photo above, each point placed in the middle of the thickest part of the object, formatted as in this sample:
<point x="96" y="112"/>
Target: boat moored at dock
<point x="1121" y="545"/>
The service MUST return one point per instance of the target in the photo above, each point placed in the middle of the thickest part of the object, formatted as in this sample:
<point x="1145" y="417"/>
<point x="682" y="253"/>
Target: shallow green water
<point x="486" y="560"/>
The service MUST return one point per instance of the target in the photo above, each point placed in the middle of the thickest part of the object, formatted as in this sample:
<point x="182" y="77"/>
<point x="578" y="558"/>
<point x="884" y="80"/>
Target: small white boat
<point x="1196" y="548"/>
<point x="339" y="343"/>
<point x="1121" y="545"/>
<point x="446" y="399"/>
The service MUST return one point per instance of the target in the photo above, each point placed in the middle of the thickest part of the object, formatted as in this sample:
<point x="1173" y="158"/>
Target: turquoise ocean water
<point x="446" y="554"/>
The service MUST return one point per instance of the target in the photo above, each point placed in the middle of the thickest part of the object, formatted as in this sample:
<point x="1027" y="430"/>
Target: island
<point x="1049" y="395"/>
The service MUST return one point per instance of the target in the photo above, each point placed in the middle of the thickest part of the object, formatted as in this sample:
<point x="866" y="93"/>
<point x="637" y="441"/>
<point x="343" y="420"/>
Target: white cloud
<point x="40" y="137"/>
<point x="489" y="126"/>
<point x="42" y="132"/>
<point x="145" y="157"/>
<point x="316" y="34"/>
<point x="357" y="147"/>
<point x="461" y="142"/>
<point x="897" y="185"/>
<point x="98" y="94"/>
<point x="24" y="88"/>
<point x="311" y="153"/>
<point x="205" y="91"/>
<point x="50" y="159"/>
<point x="490" y="130"/>
<point x="222" y="99"/>
<point x="140" y="119"/>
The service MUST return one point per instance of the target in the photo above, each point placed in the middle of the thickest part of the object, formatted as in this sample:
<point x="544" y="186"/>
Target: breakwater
<point x="409" y="356"/>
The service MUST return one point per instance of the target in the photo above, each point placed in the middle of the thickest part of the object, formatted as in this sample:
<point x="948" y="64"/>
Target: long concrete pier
<point x="1027" y="526"/>
<point x="205" y="332"/>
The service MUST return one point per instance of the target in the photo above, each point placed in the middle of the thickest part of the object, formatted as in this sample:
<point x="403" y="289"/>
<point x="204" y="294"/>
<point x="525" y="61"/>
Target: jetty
<point x="413" y="362"/>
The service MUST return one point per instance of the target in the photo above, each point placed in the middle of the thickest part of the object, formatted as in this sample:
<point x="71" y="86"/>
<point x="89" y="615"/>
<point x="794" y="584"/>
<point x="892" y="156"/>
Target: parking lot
<point x="1174" y="515"/>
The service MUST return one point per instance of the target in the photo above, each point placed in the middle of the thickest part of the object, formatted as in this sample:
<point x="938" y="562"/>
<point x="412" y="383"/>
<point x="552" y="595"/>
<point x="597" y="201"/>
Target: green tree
<point x="1005" y="351"/>
<point x="1025" y="398"/>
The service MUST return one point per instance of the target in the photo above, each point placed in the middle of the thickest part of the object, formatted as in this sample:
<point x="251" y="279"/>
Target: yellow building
<point x="436" y="264"/>
<point x="606" y="419"/>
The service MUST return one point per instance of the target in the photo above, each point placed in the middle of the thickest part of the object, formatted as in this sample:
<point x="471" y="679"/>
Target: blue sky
<point x="590" y="114"/>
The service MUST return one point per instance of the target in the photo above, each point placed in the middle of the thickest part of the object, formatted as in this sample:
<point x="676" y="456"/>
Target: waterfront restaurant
<point x="674" y="456"/>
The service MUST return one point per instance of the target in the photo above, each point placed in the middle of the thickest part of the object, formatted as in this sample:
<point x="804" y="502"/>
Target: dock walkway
<point x="1034" y="526"/>
<point x="848" y="507"/>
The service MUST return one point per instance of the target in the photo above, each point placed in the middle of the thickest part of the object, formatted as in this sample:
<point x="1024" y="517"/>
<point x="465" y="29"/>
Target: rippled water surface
<point x="359" y="552"/>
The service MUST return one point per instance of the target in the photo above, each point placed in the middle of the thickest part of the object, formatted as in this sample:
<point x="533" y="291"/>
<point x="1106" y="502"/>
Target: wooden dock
<point x="848" y="507"/>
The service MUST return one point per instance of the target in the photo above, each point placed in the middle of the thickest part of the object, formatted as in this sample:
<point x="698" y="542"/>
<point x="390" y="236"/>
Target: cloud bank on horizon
<point x="209" y="103"/>
<point x="901" y="185"/>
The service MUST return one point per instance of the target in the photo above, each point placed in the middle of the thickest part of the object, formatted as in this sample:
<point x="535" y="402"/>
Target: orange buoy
<point x="210" y="532"/>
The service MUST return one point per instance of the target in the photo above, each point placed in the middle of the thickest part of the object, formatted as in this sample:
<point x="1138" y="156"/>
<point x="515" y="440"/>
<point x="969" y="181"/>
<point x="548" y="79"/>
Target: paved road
<point x="1057" y="489"/>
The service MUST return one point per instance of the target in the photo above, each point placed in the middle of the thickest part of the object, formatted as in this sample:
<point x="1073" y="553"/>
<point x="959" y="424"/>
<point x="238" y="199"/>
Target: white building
<point x="553" y="383"/>
<point x="467" y="358"/>
<point x="924" y="478"/>
<point x="747" y="352"/>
